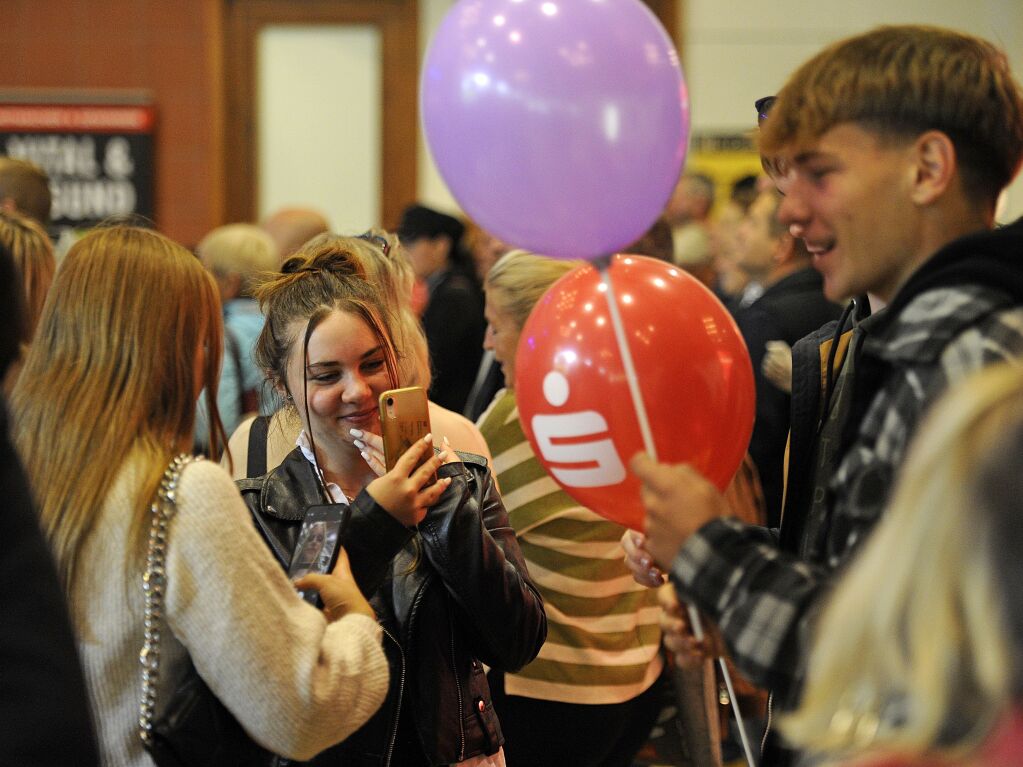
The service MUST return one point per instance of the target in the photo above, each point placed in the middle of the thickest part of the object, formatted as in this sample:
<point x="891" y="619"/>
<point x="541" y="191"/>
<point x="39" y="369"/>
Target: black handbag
<point x="194" y="729"/>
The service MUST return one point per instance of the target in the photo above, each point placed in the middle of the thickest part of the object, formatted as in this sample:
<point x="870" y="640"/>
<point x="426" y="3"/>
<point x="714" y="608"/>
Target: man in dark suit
<point x="788" y="304"/>
<point x="453" y="317"/>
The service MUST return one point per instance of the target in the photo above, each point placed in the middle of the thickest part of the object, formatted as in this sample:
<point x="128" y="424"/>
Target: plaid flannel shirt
<point x="763" y="598"/>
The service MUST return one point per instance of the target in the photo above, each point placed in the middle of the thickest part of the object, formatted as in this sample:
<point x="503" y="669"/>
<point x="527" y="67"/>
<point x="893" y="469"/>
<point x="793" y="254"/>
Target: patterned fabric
<point x="602" y="631"/>
<point x="763" y="597"/>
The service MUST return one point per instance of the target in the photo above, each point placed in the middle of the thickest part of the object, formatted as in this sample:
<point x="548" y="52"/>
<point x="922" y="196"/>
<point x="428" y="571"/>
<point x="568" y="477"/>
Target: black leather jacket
<point x="468" y="601"/>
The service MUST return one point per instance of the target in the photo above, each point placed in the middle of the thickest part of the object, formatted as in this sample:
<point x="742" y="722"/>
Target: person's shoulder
<point x="205" y="482"/>
<point x="992" y="338"/>
<point x="238" y="447"/>
<point x="463" y="434"/>
<point x="503" y="401"/>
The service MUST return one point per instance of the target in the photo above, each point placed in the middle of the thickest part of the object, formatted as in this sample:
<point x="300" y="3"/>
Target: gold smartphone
<point x="404" y="418"/>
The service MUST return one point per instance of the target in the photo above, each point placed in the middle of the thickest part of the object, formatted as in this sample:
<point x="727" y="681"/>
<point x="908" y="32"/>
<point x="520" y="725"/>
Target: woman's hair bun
<point x="328" y="258"/>
<point x="338" y="261"/>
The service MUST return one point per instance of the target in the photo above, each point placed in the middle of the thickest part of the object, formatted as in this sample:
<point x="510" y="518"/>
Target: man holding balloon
<point x="561" y="128"/>
<point x="893" y="168"/>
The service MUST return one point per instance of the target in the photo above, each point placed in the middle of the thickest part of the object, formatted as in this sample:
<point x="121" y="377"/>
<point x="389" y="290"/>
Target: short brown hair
<point x="33" y="255"/>
<point x="28" y="186"/>
<point x="899" y="81"/>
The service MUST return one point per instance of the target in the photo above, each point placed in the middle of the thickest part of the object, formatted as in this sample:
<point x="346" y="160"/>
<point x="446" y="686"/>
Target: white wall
<point x="432" y="189"/>
<point x="318" y="89"/>
<point x="738" y="50"/>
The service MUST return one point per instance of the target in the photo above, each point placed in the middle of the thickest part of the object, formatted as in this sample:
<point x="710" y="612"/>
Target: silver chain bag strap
<point x="195" y="729"/>
<point x="154" y="579"/>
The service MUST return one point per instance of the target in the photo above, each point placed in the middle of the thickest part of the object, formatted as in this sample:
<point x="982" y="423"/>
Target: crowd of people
<point x="172" y="420"/>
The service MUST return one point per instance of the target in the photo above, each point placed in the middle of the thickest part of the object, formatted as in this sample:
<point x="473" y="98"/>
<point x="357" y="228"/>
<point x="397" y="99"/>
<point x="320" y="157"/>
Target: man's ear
<point x="935" y="166"/>
<point x="784" y="249"/>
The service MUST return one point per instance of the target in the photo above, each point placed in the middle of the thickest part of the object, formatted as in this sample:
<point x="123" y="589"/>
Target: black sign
<point x="99" y="157"/>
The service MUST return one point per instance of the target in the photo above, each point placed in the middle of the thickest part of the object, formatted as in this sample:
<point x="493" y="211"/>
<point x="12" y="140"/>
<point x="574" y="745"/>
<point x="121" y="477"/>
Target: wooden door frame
<point x="668" y="13"/>
<point x="398" y="24"/>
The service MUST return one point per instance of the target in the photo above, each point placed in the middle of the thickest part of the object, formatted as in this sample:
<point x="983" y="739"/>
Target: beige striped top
<point x="602" y="631"/>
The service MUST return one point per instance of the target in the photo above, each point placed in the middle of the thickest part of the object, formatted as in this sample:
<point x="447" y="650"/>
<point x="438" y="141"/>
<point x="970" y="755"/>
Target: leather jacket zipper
<point x="458" y="687"/>
<point x="401" y="685"/>
<point x="401" y="693"/>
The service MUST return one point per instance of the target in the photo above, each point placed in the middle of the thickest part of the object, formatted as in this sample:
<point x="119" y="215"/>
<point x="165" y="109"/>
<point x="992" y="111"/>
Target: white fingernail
<point x="355" y="432"/>
<point x="360" y="444"/>
<point x="365" y="455"/>
<point x="428" y="438"/>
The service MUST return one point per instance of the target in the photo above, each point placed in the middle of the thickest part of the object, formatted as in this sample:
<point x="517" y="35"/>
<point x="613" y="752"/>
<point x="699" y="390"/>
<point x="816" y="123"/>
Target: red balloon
<point x="693" y="371"/>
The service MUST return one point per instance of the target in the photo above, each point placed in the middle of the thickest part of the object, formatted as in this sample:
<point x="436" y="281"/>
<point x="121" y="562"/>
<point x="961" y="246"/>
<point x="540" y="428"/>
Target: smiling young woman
<point x="445" y="574"/>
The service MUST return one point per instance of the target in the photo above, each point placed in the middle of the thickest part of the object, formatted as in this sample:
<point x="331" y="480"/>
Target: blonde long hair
<point x="112" y="370"/>
<point x="914" y="651"/>
<point x="519" y="279"/>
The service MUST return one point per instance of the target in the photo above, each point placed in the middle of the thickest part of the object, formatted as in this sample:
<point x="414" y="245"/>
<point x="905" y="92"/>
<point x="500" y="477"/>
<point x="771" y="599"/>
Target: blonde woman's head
<point x="513" y="286"/>
<point x="237" y="254"/>
<point x="919" y="646"/>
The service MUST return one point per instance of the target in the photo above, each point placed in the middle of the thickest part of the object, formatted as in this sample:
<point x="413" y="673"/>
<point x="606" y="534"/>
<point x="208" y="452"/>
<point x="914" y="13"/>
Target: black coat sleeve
<point x="372" y="540"/>
<point x="469" y="541"/>
<point x="43" y="702"/>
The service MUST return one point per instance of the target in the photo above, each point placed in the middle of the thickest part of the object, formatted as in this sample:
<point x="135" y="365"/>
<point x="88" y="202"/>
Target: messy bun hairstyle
<point x="323" y="276"/>
<point x="388" y="268"/>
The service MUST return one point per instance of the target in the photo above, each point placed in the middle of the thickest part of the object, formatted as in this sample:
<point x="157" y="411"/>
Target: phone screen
<point x="319" y="542"/>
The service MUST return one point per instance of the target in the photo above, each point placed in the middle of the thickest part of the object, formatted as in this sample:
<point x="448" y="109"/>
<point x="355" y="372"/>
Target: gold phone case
<point x="404" y="418"/>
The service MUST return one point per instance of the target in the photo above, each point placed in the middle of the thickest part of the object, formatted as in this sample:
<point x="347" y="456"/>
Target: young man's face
<point x="849" y="197"/>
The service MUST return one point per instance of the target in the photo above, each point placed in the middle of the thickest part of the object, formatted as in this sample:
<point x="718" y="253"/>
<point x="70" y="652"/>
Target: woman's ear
<point x="281" y="387"/>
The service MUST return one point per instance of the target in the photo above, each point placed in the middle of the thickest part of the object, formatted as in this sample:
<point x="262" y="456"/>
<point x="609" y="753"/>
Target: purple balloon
<point x="560" y="126"/>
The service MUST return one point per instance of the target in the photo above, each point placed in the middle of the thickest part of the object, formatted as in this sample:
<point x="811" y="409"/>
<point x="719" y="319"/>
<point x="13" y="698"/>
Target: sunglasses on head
<point x="376" y="239"/>
<point x="763" y="107"/>
<point x="774" y="167"/>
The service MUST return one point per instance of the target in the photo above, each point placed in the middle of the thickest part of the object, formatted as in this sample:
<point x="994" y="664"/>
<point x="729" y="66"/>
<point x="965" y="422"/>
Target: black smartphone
<point x="319" y="543"/>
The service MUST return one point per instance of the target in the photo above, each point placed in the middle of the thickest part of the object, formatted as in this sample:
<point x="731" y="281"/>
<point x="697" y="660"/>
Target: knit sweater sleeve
<point x="296" y="683"/>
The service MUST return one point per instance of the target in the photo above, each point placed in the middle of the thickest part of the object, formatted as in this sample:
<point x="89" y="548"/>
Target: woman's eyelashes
<point x="374" y="365"/>
<point x="329" y="372"/>
<point x="323" y="372"/>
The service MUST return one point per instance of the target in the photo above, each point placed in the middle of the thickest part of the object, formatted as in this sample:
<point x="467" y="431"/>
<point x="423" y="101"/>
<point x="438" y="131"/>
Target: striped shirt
<point x="603" y="635"/>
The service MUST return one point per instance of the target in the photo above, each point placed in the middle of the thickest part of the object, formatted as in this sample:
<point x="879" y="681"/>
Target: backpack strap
<point x="256" y="465"/>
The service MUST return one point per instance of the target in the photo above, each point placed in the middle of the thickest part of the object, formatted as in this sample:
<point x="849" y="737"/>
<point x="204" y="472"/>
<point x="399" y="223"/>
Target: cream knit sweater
<point x="296" y="683"/>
